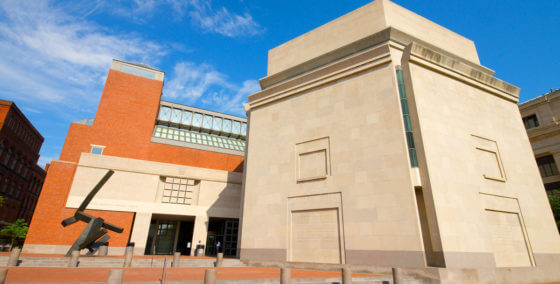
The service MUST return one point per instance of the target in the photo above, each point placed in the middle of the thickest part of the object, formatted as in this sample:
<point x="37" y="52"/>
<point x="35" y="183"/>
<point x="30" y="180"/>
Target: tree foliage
<point x="554" y="199"/>
<point x="16" y="231"/>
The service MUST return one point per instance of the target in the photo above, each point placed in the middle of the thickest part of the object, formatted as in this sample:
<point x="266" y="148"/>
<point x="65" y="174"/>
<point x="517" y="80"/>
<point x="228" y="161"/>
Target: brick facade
<point x="21" y="178"/>
<point x="123" y="124"/>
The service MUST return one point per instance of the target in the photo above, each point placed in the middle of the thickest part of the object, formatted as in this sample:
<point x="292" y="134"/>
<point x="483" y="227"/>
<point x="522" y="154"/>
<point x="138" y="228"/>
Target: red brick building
<point x="21" y="178"/>
<point x="177" y="171"/>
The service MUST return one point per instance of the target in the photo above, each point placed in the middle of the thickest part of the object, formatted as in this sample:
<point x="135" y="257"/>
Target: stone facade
<point x="541" y="119"/>
<point x="387" y="143"/>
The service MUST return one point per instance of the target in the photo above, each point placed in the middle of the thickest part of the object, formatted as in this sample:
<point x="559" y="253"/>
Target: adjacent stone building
<point x="21" y="178"/>
<point x="541" y="117"/>
<point x="177" y="169"/>
<point x="380" y="139"/>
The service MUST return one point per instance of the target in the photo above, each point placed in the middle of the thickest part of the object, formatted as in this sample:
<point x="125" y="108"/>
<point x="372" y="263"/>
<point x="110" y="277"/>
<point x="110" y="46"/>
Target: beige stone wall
<point x="366" y="163"/>
<point x="136" y="187"/>
<point x="361" y="23"/>
<point x="326" y="136"/>
<point x="458" y="119"/>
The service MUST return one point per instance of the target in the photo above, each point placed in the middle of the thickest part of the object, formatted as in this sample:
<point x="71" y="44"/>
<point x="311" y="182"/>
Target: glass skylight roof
<point x="202" y="121"/>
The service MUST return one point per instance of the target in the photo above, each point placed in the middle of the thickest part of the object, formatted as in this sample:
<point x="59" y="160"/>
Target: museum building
<point x="387" y="143"/>
<point x="177" y="172"/>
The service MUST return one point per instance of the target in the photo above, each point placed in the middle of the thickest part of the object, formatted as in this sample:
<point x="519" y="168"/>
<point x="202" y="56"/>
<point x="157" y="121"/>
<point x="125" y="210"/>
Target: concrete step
<point x="118" y="262"/>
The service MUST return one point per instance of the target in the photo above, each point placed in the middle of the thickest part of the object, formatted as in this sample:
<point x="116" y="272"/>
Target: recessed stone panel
<point x="315" y="236"/>
<point x="488" y="158"/>
<point x="312" y="160"/>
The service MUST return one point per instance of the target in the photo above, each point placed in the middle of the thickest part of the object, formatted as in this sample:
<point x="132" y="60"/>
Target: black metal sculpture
<point x="95" y="232"/>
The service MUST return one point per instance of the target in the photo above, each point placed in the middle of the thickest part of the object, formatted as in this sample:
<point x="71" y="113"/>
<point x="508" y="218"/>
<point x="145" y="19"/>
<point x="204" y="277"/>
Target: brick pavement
<point x="43" y="274"/>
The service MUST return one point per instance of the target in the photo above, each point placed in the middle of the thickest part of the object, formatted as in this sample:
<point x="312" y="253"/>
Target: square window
<point x="187" y="117"/>
<point x="226" y="126"/>
<point x="98" y="150"/>
<point x="207" y="122"/>
<point x="166" y="199"/>
<point x="164" y="113"/>
<point x="217" y="124"/>
<point x="197" y="120"/>
<point x="176" y="115"/>
<point x="236" y="128"/>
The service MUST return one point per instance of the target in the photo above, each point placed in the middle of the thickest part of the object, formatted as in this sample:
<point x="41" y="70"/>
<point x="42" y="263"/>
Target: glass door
<point x="165" y="237"/>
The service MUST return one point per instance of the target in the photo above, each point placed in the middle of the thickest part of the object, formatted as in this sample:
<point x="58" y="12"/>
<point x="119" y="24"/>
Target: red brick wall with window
<point x="123" y="124"/>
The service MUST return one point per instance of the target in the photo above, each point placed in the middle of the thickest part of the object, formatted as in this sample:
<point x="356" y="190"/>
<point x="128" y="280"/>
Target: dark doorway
<point x="223" y="231"/>
<point x="184" y="241"/>
<point x="168" y="236"/>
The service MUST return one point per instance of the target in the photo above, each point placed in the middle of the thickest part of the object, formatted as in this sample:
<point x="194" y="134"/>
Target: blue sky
<point x="54" y="56"/>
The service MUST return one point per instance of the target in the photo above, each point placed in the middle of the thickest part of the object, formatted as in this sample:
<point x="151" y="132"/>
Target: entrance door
<point x="184" y="241"/>
<point x="223" y="231"/>
<point x="165" y="237"/>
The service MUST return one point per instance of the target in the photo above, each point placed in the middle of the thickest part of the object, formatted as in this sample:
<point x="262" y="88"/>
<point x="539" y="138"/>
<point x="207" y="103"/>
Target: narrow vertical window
<point x="406" y="119"/>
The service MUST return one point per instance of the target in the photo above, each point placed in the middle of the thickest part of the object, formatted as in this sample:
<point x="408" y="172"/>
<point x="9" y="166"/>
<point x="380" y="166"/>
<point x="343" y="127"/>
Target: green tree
<point x="16" y="231"/>
<point x="1" y="201"/>
<point x="554" y="199"/>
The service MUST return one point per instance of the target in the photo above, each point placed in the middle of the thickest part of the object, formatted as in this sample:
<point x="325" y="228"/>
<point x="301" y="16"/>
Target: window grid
<point x="199" y="138"/>
<point x="178" y="190"/>
<point x="209" y="123"/>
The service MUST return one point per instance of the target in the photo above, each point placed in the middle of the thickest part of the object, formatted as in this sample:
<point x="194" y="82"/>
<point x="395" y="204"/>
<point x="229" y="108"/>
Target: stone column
<point x="219" y="259"/>
<point x="397" y="276"/>
<point x="74" y="259"/>
<point x="176" y="259"/>
<point x="129" y="251"/>
<point x="3" y="274"/>
<point x="200" y="232"/>
<point x="103" y="249"/>
<point x="210" y="276"/>
<point x="285" y="275"/>
<point x="14" y="256"/>
<point x="115" y="276"/>
<point x="346" y="275"/>
<point x="140" y="231"/>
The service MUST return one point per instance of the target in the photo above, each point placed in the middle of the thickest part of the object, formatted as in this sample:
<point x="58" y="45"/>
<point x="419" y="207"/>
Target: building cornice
<point x="384" y="36"/>
<point x="360" y="62"/>
<point x="548" y="97"/>
<point x="460" y="70"/>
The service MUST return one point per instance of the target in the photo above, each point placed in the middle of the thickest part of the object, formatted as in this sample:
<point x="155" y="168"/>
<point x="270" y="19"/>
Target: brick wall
<point x="123" y="124"/>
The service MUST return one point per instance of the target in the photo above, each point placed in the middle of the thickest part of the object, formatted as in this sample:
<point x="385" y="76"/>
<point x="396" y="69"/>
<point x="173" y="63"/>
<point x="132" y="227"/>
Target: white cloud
<point x="51" y="57"/>
<point x="201" y="14"/>
<point x="222" y="21"/>
<point x="202" y="84"/>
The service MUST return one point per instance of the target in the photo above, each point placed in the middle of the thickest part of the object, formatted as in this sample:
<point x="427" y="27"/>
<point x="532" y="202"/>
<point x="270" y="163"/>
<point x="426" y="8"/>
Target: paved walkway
<point x="44" y="274"/>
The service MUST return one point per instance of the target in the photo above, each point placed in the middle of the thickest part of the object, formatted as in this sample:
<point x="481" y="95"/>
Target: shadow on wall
<point x="224" y="213"/>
